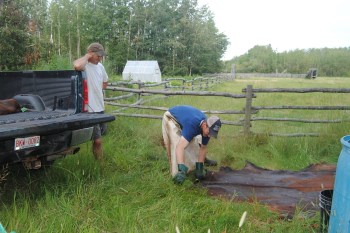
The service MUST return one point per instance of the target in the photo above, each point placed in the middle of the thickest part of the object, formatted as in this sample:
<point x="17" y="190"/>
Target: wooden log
<point x="120" y="97"/>
<point x="136" y="82"/>
<point x="295" y="134"/>
<point x="304" y="107"/>
<point x="154" y="84"/>
<point x="179" y="87"/>
<point x="165" y="109"/>
<point x="170" y="79"/>
<point x="300" y="90"/>
<point x="161" y="117"/>
<point x="203" y="93"/>
<point x="123" y="83"/>
<point x="225" y="111"/>
<point x="294" y="120"/>
<point x="247" y="109"/>
<point x="137" y="115"/>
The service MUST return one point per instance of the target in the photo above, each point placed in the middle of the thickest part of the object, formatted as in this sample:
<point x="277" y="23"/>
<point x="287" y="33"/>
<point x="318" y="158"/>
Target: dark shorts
<point x="99" y="130"/>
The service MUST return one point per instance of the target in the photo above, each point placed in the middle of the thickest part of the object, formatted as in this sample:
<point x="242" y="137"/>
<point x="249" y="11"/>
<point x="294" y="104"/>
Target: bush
<point x="56" y="63"/>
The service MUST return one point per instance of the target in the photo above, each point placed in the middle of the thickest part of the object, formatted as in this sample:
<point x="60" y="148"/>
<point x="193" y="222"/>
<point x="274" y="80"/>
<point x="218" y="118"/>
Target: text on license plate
<point x="22" y="143"/>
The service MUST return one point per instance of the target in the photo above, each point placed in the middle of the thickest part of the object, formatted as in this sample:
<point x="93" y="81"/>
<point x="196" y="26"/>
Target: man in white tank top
<point x="97" y="78"/>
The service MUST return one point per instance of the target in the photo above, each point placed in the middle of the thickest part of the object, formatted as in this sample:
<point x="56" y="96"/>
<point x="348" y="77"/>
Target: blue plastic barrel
<point x="340" y="211"/>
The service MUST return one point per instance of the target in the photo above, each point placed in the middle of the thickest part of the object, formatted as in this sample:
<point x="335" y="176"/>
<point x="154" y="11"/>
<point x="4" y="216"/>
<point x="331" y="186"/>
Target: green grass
<point x="132" y="191"/>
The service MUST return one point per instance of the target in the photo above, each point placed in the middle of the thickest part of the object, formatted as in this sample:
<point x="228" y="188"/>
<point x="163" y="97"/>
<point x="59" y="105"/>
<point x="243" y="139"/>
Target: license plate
<point x="28" y="142"/>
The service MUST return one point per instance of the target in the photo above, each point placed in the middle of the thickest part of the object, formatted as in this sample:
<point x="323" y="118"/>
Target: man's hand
<point x="80" y="63"/>
<point x="180" y="177"/>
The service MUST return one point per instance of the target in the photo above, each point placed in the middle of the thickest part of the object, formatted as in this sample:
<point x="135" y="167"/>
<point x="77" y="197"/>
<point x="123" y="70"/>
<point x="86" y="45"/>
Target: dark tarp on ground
<point x="280" y="190"/>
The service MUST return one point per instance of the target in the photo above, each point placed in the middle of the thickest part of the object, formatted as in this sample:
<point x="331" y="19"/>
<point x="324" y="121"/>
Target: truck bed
<point x="54" y="124"/>
<point x="46" y="122"/>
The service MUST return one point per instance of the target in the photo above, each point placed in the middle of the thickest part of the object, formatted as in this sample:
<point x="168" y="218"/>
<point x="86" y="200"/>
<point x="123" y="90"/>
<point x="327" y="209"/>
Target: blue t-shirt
<point x="189" y="119"/>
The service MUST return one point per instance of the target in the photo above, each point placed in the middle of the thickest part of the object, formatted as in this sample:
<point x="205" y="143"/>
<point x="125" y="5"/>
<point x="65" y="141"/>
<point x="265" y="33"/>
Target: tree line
<point x="179" y="34"/>
<point x="330" y="62"/>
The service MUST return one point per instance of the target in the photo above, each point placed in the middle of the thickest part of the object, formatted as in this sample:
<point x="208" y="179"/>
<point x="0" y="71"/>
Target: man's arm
<point x="80" y="63"/>
<point x="104" y="85"/>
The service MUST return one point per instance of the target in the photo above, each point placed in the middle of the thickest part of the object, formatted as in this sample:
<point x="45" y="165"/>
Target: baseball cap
<point x="97" y="48"/>
<point x="214" y="125"/>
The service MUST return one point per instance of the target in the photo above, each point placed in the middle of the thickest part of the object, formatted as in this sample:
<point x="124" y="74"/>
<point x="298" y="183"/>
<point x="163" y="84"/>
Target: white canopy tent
<point x="144" y="71"/>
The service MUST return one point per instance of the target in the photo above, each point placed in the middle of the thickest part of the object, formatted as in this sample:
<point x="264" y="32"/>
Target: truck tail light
<point x="85" y="96"/>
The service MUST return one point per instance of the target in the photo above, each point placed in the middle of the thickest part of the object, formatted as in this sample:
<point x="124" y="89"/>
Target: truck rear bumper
<point x="57" y="136"/>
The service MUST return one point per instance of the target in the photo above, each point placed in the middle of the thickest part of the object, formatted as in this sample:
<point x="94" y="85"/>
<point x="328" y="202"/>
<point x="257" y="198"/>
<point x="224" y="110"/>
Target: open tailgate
<point x="51" y="125"/>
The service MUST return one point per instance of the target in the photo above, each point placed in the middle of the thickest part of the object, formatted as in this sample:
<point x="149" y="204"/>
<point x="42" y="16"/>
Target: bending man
<point x="186" y="133"/>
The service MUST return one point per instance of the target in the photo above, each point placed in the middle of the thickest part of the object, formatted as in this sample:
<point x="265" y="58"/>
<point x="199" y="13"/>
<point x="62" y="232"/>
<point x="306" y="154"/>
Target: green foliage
<point x="263" y="59"/>
<point x="55" y="63"/>
<point x="180" y="35"/>
<point x="15" y="41"/>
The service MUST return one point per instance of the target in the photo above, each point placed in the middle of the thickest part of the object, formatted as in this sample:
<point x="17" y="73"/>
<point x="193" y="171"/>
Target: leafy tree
<point x="262" y="59"/>
<point x="178" y="34"/>
<point x="15" y="47"/>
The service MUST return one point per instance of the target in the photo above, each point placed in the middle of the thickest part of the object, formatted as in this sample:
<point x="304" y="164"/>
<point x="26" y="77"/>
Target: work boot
<point x="180" y="177"/>
<point x="200" y="172"/>
<point x="209" y="162"/>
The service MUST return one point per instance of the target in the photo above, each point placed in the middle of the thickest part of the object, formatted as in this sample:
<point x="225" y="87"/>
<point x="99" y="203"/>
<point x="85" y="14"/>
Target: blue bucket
<point x="340" y="211"/>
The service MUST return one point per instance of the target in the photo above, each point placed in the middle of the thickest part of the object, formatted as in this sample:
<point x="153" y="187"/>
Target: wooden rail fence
<point x="247" y="112"/>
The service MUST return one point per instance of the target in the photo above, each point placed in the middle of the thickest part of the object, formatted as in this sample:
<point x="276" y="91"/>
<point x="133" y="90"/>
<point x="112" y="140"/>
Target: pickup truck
<point x="53" y="119"/>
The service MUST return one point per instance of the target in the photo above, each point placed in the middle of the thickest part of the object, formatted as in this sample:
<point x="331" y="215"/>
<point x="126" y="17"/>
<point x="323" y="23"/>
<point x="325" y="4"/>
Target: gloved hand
<point x="180" y="177"/>
<point x="200" y="172"/>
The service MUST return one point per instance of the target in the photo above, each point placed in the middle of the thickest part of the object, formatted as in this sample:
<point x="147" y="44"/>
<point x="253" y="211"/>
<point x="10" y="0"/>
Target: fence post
<point x="140" y="86"/>
<point x="247" y="110"/>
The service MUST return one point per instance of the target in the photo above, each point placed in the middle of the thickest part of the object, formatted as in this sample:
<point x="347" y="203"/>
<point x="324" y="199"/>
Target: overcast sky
<point x="285" y="24"/>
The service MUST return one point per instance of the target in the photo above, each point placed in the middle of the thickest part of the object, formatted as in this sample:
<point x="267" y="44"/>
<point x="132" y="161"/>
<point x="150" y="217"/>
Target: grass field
<point x="131" y="190"/>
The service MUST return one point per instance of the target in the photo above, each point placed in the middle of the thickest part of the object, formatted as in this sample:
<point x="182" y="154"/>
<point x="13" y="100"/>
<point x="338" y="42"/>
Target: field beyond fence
<point x="247" y="111"/>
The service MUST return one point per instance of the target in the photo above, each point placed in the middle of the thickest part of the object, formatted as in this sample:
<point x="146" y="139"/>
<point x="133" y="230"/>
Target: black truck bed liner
<point x="47" y="122"/>
<point x="31" y="116"/>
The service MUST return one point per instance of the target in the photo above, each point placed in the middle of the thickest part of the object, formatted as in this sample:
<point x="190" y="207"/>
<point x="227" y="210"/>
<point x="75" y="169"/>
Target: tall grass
<point x="131" y="190"/>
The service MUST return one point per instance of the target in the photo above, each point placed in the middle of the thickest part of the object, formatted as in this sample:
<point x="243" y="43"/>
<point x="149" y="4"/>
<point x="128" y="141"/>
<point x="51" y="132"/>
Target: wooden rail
<point x="300" y="90"/>
<point x="247" y="111"/>
<point x="192" y="93"/>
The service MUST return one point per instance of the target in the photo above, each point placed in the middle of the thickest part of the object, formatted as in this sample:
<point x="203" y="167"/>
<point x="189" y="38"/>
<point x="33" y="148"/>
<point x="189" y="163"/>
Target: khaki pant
<point x="171" y="135"/>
